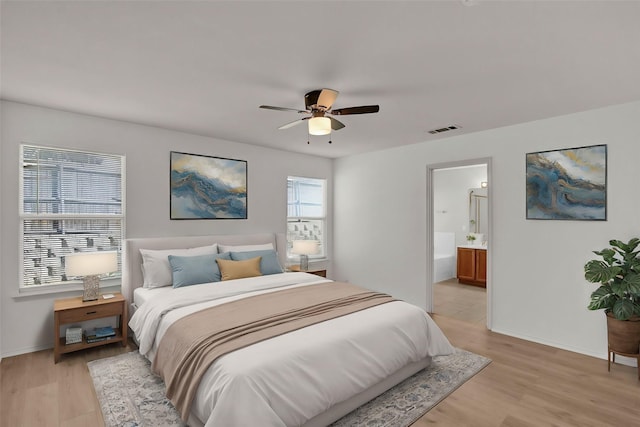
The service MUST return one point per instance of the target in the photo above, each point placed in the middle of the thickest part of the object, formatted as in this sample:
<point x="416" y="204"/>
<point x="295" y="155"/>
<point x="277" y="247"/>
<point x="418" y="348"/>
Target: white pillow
<point x="244" y="248"/>
<point x="156" y="269"/>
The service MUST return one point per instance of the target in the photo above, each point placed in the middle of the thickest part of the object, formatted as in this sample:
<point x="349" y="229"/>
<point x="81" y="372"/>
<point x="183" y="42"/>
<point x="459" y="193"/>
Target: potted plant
<point x="618" y="273"/>
<point x="471" y="238"/>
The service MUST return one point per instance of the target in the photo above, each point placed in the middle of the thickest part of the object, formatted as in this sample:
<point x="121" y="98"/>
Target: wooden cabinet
<point x="472" y="266"/>
<point x="74" y="310"/>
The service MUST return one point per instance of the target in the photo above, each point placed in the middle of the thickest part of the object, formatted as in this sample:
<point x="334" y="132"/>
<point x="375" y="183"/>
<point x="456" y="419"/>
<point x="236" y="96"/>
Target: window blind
<point x="306" y="211"/>
<point x="70" y="201"/>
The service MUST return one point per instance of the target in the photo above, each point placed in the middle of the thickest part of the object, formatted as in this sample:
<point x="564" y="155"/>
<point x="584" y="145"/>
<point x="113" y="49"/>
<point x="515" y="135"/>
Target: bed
<point x="310" y="376"/>
<point x="444" y="258"/>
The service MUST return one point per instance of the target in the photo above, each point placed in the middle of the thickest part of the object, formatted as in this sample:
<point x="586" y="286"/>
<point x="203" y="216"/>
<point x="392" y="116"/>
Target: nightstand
<point x="74" y="310"/>
<point x="321" y="273"/>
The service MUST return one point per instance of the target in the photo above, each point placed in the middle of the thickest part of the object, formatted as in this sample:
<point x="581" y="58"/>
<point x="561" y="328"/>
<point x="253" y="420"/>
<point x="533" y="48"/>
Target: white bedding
<point x="289" y="379"/>
<point x="142" y="295"/>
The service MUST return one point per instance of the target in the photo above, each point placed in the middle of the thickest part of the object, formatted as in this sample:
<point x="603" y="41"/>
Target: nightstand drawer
<point x="91" y="312"/>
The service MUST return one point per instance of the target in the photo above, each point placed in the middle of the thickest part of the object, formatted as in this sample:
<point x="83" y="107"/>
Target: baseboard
<point x="25" y="350"/>
<point x="619" y="359"/>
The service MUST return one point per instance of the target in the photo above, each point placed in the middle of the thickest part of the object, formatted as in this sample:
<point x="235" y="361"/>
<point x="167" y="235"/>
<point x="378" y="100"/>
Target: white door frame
<point x="430" y="211"/>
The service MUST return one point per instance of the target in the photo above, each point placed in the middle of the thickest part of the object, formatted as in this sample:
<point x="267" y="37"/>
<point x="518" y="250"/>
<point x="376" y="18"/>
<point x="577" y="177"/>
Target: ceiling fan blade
<point x="293" y="123"/>
<point x="365" y="109"/>
<point x="269" y="107"/>
<point x="336" y="124"/>
<point x="320" y="98"/>
<point x="327" y="97"/>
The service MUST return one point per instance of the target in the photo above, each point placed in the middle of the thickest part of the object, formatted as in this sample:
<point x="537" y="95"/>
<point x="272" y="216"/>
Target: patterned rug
<point x="131" y="395"/>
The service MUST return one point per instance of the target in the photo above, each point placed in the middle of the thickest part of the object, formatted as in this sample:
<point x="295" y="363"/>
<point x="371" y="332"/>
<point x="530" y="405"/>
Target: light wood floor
<point x="526" y="385"/>
<point x="464" y="302"/>
<point x="532" y="385"/>
<point x="35" y="392"/>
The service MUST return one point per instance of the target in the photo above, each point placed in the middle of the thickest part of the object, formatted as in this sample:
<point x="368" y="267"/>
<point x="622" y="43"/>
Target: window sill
<point x="75" y="287"/>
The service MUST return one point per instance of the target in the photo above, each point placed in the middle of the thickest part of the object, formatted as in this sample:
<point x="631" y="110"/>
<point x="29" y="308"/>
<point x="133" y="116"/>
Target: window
<point x="306" y="212"/>
<point x="70" y="201"/>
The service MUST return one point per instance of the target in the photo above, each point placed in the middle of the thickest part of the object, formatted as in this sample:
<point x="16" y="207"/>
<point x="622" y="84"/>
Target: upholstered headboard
<point x="132" y="259"/>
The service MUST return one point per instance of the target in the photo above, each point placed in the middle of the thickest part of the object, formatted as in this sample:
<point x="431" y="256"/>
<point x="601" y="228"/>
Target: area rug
<point x="131" y="395"/>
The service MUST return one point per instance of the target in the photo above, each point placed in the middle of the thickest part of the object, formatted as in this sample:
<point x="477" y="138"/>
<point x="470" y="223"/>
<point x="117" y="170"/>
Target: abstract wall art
<point x="567" y="184"/>
<point x="205" y="187"/>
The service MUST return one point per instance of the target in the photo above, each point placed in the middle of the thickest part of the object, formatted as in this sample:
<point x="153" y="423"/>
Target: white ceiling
<point x="205" y="67"/>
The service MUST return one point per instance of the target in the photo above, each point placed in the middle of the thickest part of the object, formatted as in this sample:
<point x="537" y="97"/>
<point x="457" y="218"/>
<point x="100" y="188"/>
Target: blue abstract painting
<point x="205" y="187"/>
<point x="568" y="184"/>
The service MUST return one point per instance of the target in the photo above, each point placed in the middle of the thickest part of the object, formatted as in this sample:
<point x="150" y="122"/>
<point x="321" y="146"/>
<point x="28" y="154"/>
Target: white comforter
<point x="289" y="379"/>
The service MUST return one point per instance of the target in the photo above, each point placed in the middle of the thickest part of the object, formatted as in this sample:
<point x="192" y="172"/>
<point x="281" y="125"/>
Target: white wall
<point x="539" y="292"/>
<point x="27" y="322"/>
<point x="451" y="198"/>
<point x="1" y="258"/>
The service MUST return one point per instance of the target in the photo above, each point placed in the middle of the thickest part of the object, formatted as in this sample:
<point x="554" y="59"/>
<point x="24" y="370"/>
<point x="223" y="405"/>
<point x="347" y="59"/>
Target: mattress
<point x="328" y="363"/>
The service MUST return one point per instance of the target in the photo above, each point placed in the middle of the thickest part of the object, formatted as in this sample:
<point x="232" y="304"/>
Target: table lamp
<point x="89" y="265"/>
<point x="304" y="248"/>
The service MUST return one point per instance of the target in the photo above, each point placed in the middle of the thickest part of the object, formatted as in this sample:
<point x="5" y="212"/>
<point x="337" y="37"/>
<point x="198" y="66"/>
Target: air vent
<point x="445" y="129"/>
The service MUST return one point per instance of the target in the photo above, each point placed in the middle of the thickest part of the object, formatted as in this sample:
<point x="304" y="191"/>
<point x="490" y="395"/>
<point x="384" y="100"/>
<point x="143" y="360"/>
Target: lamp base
<point x="91" y="288"/>
<point x="304" y="262"/>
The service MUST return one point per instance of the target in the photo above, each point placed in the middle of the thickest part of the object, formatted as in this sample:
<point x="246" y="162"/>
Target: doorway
<point x="459" y="240"/>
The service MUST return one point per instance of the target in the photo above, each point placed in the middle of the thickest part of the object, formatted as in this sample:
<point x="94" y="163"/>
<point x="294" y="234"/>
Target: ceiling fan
<point x="318" y="103"/>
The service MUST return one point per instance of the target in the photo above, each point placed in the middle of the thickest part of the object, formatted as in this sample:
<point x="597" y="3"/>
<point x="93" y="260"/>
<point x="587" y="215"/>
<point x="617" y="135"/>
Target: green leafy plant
<point x="618" y="273"/>
<point x="471" y="237"/>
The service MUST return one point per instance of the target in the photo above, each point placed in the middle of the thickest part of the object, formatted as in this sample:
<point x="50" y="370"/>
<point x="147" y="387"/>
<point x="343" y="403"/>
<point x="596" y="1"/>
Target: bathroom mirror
<point x="478" y="211"/>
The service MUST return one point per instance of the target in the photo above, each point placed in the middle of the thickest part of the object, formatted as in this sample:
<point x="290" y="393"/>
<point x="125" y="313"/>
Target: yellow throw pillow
<point x="239" y="269"/>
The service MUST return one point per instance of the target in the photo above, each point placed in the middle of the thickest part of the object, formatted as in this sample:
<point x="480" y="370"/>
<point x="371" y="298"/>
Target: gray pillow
<point x="193" y="270"/>
<point x="269" y="263"/>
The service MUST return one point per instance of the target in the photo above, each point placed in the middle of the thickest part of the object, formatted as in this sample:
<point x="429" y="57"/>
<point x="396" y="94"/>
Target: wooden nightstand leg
<point x="124" y="324"/>
<point x="56" y="337"/>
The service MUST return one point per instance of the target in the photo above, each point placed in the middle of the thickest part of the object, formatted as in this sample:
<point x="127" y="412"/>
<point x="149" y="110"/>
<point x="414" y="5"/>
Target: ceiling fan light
<point x="320" y="126"/>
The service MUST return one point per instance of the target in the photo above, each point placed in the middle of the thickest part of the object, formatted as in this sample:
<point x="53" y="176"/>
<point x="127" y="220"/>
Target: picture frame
<point x="207" y="187"/>
<point x="567" y="184"/>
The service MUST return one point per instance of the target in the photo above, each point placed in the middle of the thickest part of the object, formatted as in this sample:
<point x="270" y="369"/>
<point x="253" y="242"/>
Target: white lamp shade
<point x="320" y="126"/>
<point x="91" y="263"/>
<point x="305" y="247"/>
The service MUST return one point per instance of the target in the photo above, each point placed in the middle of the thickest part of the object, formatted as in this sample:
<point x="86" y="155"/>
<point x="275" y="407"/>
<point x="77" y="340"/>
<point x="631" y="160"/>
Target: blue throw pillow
<point x="193" y="270"/>
<point x="269" y="263"/>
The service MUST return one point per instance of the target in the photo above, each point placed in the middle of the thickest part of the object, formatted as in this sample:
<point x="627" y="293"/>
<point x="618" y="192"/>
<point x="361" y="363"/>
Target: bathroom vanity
<point x="472" y="265"/>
